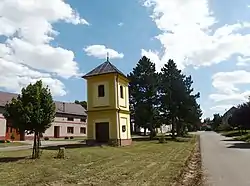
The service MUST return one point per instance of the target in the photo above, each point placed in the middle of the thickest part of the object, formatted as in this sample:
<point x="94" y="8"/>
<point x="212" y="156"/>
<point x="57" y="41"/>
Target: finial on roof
<point x="107" y="56"/>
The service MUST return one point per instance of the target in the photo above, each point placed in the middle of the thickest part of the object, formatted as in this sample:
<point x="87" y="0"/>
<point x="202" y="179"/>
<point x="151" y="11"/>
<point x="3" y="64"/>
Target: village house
<point x="227" y="115"/>
<point x="70" y="121"/>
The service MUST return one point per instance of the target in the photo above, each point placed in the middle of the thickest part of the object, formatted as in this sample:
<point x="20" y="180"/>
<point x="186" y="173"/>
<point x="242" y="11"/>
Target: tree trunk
<point x="152" y="133"/>
<point x="173" y="128"/>
<point x="36" y="146"/>
<point x="178" y="128"/>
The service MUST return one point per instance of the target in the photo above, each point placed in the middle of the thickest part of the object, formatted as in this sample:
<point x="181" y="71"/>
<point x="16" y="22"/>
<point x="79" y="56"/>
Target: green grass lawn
<point x="240" y="136"/>
<point x="11" y="144"/>
<point x="234" y="133"/>
<point x="143" y="163"/>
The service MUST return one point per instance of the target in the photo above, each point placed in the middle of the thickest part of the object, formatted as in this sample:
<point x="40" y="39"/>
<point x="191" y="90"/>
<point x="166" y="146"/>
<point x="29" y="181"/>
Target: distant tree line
<point x="237" y="118"/>
<point x="82" y="103"/>
<point x="164" y="97"/>
<point x="240" y="118"/>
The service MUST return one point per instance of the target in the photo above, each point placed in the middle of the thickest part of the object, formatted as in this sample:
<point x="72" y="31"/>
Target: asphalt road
<point x="225" y="162"/>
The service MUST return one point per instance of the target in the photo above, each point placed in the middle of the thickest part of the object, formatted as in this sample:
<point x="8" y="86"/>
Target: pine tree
<point x="178" y="105"/>
<point x="143" y="94"/>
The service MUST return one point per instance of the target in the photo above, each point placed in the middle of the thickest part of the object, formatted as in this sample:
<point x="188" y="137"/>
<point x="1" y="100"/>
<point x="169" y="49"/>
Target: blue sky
<point x="58" y="41"/>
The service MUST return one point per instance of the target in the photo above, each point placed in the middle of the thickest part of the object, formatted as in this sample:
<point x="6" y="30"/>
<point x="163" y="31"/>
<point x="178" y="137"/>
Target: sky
<point x="58" y="41"/>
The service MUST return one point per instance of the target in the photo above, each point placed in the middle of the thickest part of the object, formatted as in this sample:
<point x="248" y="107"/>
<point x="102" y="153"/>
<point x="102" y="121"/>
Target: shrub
<point x="12" y="137"/>
<point x="66" y="137"/>
<point x="113" y="143"/>
<point x="71" y="137"/>
<point x="46" y="138"/>
<point x="224" y="127"/>
<point x="162" y="139"/>
<point x="7" y="141"/>
<point x="2" y="141"/>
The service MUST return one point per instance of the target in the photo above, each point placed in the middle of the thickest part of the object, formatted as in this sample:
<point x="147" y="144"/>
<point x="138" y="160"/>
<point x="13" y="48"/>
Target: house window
<point x="83" y="120"/>
<point x="83" y="130"/>
<point x="101" y="92"/>
<point x="70" y="130"/>
<point x="70" y="119"/>
<point x="121" y="91"/>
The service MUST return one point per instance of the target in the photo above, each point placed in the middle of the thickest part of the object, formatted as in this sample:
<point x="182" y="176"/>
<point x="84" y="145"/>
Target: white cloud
<point x="120" y="24"/>
<point x="152" y="55"/>
<point x="243" y="61"/>
<point x="188" y="35"/>
<point x="226" y="86"/>
<point x="221" y="108"/>
<point x="26" y="55"/>
<point x="101" y="51"/>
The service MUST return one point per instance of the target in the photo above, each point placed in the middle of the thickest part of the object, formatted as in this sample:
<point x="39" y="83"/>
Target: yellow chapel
<point x="108" y="106"/>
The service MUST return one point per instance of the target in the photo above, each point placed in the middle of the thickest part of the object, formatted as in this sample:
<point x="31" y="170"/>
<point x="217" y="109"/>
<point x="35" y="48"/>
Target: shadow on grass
<point x="234" y="134"/>
<point x="11" y="159"/>
<point x="167" y="138"/>
<point x="72" y="146"/>
<point x="230" y="140"/>
<point x="239" y="146"/>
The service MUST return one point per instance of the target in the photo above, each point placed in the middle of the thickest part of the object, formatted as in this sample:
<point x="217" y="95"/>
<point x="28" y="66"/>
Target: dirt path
<point x="225" y="162"/>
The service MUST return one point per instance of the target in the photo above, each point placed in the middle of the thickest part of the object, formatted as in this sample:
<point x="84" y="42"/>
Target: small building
<point x="108" y="106"/>
<point x="70" y="121"/>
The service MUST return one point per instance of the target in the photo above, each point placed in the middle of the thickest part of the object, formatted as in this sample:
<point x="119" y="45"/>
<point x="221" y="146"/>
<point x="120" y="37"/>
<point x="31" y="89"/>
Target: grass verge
<point x="143" y="163"/>
<point x="234" y="133"/>
<point x="191" y="174"/>
<point x="11" y="144"/>
<point x="245" y="138"/>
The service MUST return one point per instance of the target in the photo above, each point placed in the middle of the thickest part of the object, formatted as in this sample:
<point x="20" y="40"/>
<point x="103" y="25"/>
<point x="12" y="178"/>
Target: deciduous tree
<point x="32" y="111"/>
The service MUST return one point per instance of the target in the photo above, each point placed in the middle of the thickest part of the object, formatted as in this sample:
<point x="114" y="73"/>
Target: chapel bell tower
<point x="108" y="106"/>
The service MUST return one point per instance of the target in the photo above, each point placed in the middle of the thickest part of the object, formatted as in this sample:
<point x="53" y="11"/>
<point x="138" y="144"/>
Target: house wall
<point x="2" y="125"/>
<point x="102" y="116"/>
<point x="63" y="123"/>
<point x="125" y="121"/>
<point x="108" y="101"/>
<point x="122" y="102"/>
<point x="61" y="120"/>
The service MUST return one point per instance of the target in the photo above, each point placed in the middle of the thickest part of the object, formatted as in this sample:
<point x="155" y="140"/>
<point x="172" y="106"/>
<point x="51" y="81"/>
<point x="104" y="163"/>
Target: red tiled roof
<point x="61" y="107"/>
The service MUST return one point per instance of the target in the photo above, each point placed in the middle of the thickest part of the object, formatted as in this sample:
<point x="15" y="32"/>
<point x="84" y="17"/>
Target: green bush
<point x="162" y="139"/>
<point x="224" y="127"/>
<point x="66" y="137"/>
<point x="12" y="137"/>
<point x="2" y="141"/>
<point x="46" y="138"/>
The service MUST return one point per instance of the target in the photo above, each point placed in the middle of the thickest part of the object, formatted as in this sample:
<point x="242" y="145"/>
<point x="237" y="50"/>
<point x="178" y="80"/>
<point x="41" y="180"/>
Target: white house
<point x="70" y="121"/>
